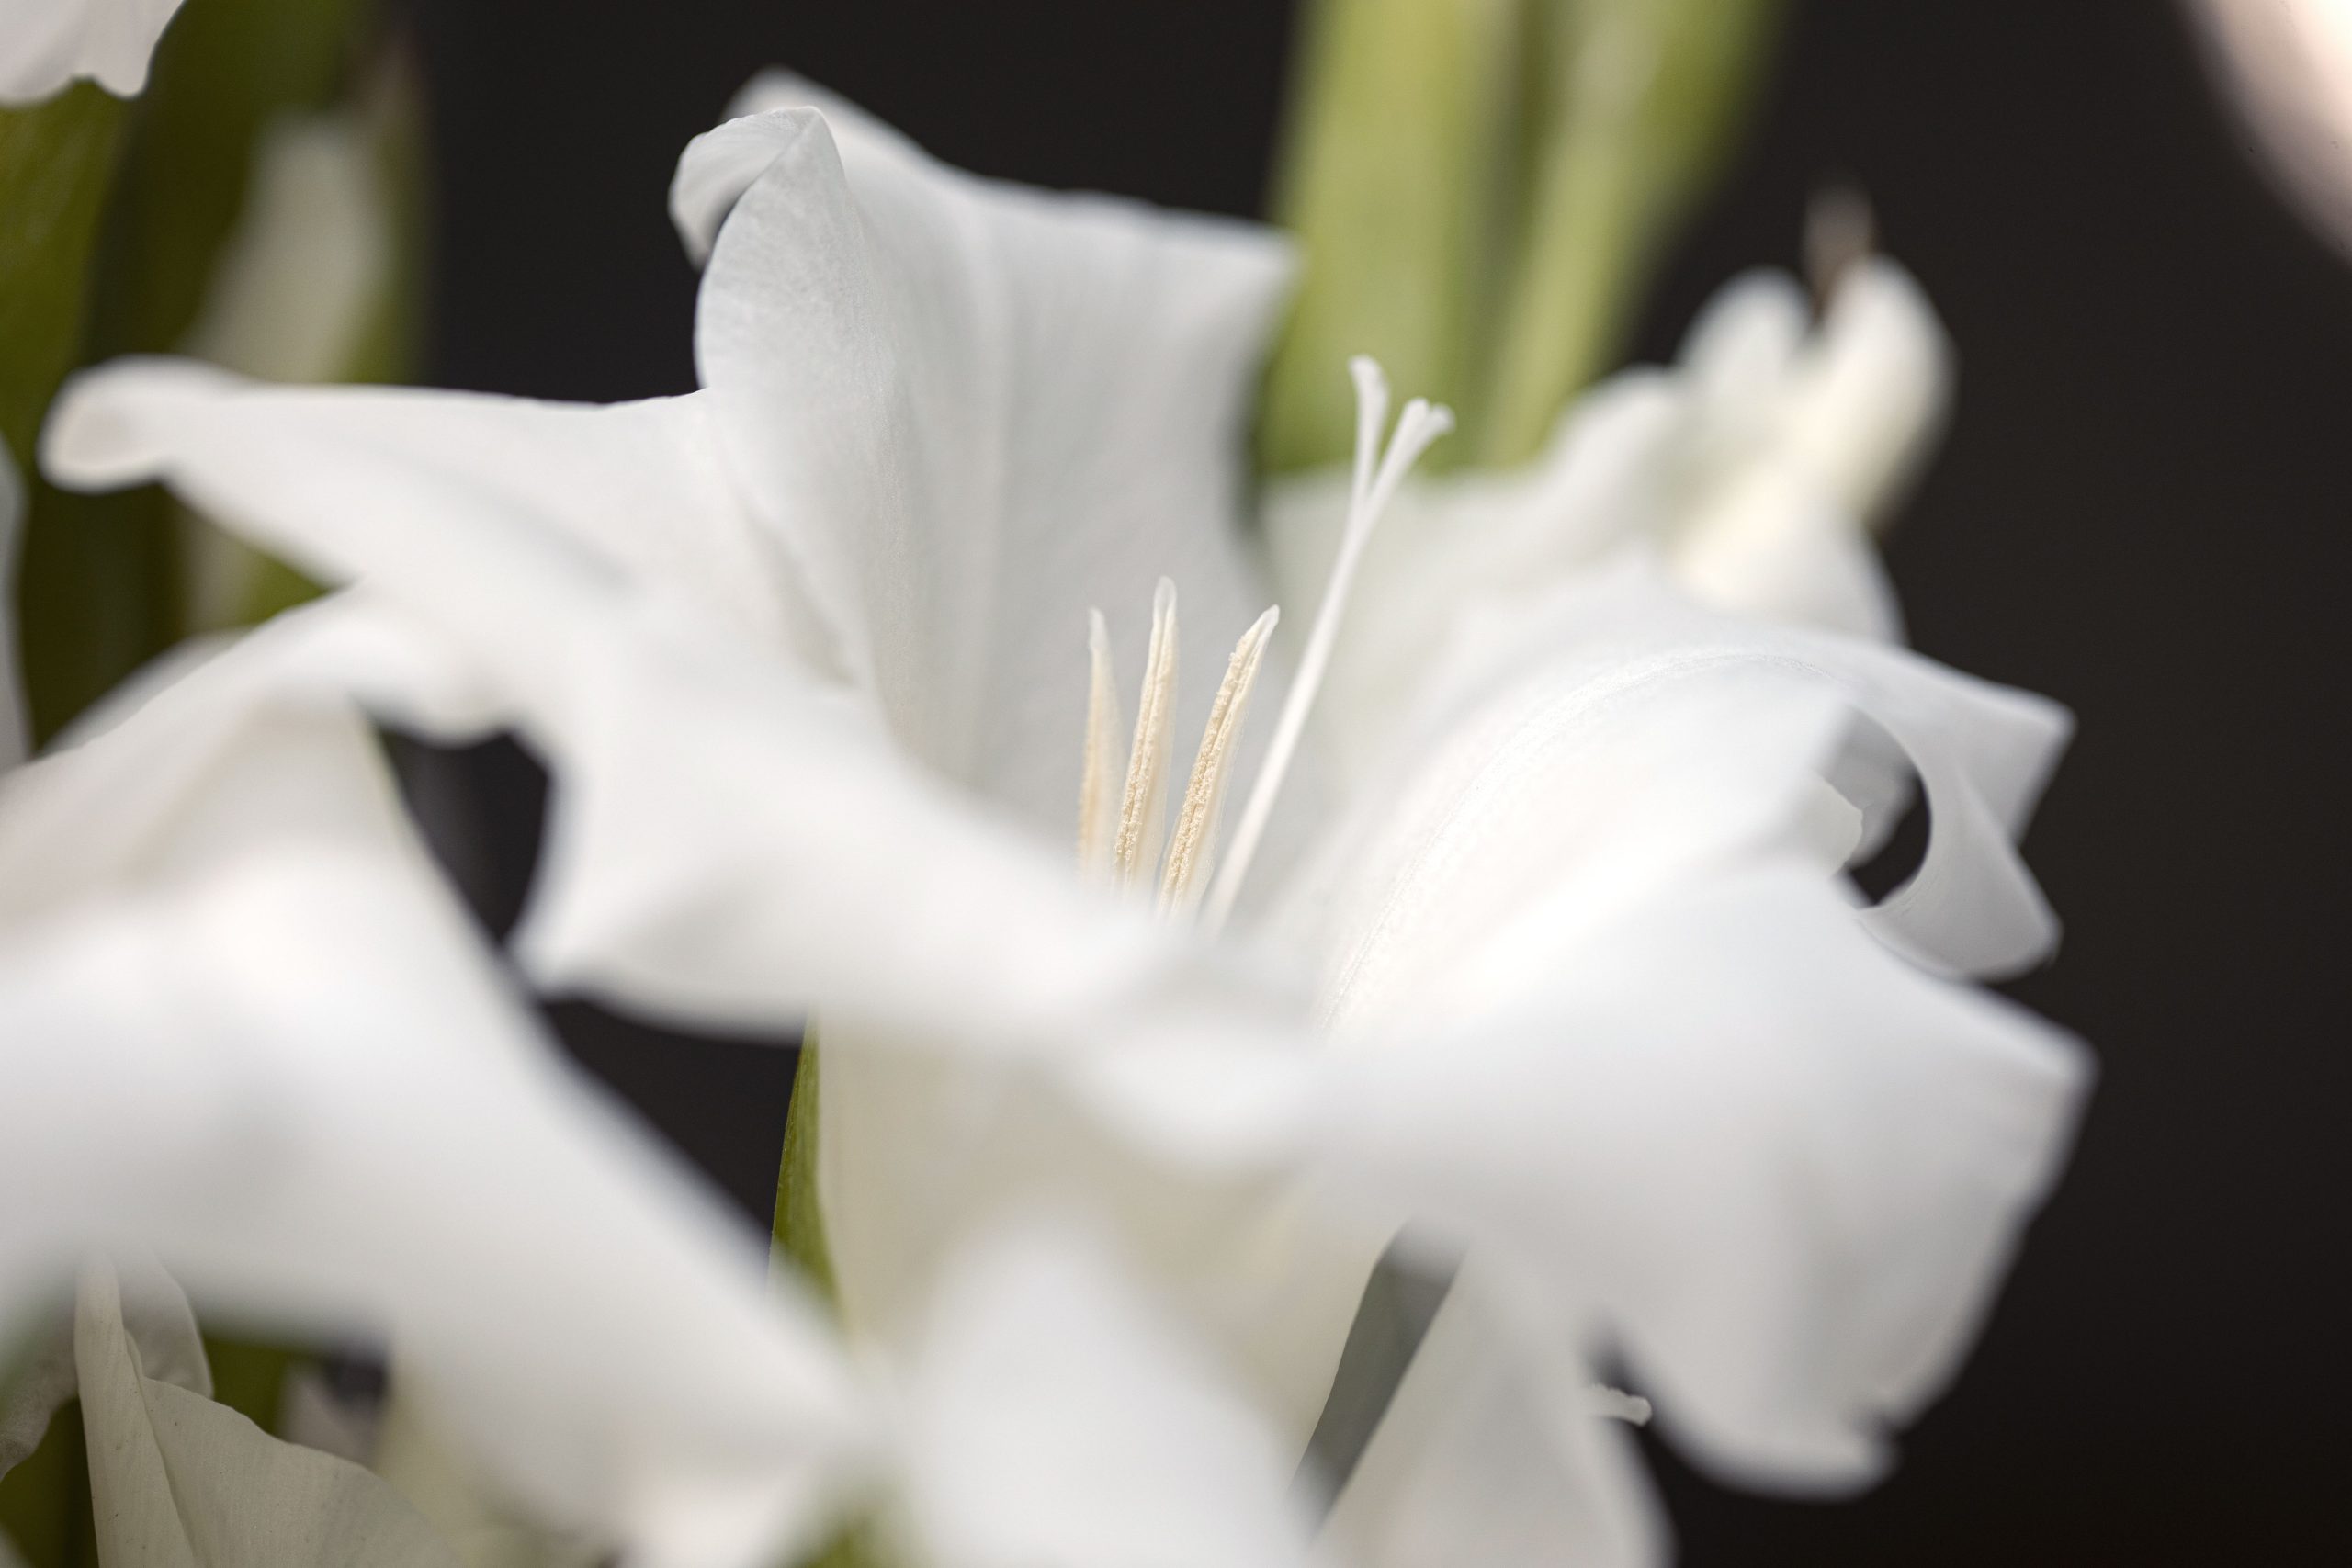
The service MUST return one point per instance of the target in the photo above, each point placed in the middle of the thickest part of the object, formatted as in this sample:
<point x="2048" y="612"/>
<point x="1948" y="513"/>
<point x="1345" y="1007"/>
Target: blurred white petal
<point x="1753" y="468"/>
<point x="2287" y="67"/>
<point x="1869" y="396"/>
<point x="1784" y="1167"/>
<point x="459" y="493"/>
<point x="1490" y="1454"/>
<point x="1772" y="545"/>
<point x="483" y="1527"/>
<point x="177" y="1481"/>
<point x="591" y="1328"/>
<point x="45" y="44"/>
<point x="1057" y="1420"/>
<point x="217" y="750"/>
<point x="1739" y="350"/>
<point x="919" y="1152"/>
<point x="247" y="1031"/>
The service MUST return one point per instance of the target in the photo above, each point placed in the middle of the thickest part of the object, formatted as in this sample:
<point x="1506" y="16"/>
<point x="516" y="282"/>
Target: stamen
<point x="1143" y="817"/>
<point x="1189" y="856"/>
<point x="1098" y="784"/>
<point x="1375" y="485"/>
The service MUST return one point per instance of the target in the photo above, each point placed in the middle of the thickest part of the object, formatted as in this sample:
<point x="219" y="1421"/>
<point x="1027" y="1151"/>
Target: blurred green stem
<point x="1395" y="180"/>
<point x="1650" y="90"/>
<point x="1478" y="188"/>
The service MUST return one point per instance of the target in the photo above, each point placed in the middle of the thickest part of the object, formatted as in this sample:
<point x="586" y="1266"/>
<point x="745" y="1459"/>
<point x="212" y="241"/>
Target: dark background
<point x="2142" y="509"/>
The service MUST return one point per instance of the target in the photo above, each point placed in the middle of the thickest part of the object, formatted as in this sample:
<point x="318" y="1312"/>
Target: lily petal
<point x="1489" y="1454"/>
<point x="271" y="1052"/>
<point x="433" y="1176"/>
<point x="177" y="1481"/>
<point x="973" y="411"/>
<point x="1981" y="752"/>
<point x="1783" y="1166"/>
<point x="1581" y="788"/>
<point x="1772" y="544"/>
<point x="1056" y="1420"/>
<point x="917" y="1153"/>
<point x="630" y="490"/>
<point x="1870" y="397"/>
<point x="218" y="749"/>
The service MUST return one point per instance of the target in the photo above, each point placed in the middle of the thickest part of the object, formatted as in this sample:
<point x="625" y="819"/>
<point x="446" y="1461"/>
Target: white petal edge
<point x="177" y="1481"/>
<point x="1781" y="1166"/>
<point x="51" y="43"/>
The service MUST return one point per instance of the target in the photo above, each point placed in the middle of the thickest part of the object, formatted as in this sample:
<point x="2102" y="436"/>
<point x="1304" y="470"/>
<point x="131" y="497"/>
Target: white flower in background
<point x="2287" y="68"/>
<point x="1753" y="470"/>
<point x="46" y="44"/>
<point x="1563" y="981"/>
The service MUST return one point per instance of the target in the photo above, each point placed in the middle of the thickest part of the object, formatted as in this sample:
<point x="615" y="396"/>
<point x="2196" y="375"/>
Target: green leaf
<point x="100" y="587"/>
<point x="55" y="162"/>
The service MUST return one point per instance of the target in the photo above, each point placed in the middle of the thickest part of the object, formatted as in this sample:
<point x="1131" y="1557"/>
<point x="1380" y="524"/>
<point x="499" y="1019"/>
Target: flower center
<point x="1121" y="814"/>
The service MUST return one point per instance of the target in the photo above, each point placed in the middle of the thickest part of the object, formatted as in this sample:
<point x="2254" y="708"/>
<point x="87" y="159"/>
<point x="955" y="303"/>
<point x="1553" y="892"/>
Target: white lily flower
<point x="45" y="44"/>
<point x="245" y="1030"/>
<point x="1755" y="469"/>
<point x="803" y="651"/>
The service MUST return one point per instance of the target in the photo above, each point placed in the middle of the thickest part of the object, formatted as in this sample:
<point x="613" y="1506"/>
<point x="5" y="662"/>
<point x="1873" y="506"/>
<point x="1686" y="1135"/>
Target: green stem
<point x="799" y="1228"/>
<point x="1395" y="180"/>
<point x="1651" y="89"/>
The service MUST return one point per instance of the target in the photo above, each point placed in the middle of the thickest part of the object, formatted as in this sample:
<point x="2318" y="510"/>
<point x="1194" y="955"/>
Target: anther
<point x="1098" y="777"/>
<point x="1143" y="823"/>
<point x="1190" y="854"/>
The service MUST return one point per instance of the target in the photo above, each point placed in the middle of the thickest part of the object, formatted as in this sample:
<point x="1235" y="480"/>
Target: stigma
<point x="1124" y="833"/>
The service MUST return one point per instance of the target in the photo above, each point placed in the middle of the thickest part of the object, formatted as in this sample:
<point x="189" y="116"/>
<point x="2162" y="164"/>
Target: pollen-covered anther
<point x="1191" y="852"/>
<point x="1143" y="821"/>
<point x="1101" y="775"/>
